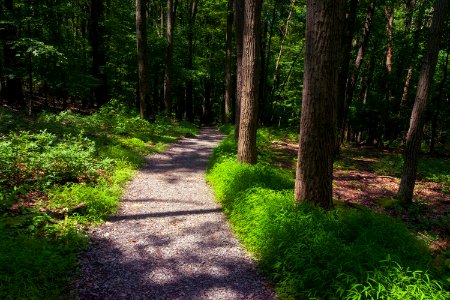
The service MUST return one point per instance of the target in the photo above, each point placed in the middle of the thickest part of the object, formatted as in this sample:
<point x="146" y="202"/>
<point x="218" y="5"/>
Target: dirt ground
<point x="429" y="215"/>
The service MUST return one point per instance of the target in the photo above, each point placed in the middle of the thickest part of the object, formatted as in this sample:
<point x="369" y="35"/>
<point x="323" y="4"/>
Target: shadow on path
<point x="169" y="239"/>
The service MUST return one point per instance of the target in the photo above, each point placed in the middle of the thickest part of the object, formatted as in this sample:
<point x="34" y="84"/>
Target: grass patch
<point x="58" y="174"/>
<point x="309" y="253"/>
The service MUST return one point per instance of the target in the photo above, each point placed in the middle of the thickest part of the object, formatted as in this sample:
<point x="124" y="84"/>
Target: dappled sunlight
<point x="169" y="239"/>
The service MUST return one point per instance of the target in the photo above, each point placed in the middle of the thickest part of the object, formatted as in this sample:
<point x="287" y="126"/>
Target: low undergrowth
<point x="310" y="253"/>
<point x="58" y="174"/>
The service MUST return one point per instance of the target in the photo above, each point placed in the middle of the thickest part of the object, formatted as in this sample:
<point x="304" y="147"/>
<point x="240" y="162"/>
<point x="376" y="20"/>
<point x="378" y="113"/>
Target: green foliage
<point x="389" y="165"/>
<point x="41" y="159"/>
<point x="230" y="179"/>
<point x="392" y="281"/>
<point x="100" y="200"/>
<point x="37" y="268"/>
<point x="311" y="253"/>
<point x="58" y="174"/>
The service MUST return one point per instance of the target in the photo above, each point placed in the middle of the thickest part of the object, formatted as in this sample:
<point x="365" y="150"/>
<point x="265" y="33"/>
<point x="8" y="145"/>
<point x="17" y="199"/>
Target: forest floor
<point x="170" y="239"/>
<point x="361" y="179"/>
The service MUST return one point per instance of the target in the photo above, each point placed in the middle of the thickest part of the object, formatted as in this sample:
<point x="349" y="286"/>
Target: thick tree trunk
<point x="415" y="132"/>
<point x="145" y="95"/>
<point x="324" y="22"/>
<point x="250" y="82"/>
<point x="169" y="59"/>
<point x="228" y="64"/>
<point x="238" y="7"/>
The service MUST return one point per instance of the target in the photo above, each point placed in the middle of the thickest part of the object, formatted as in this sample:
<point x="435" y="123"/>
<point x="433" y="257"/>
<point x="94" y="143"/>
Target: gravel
<point x="170" y="240"/>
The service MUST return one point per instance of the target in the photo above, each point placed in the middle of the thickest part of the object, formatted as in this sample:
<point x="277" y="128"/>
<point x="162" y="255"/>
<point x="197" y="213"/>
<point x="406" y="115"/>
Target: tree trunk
<point x="98" y="52"/>
<point x="238" y="7"/>
<point x="270" y="97"/>
<point x="30" y="70"/>
<point x="228" y="71"/>
<point x="250" y="82"/>
<point x="389" y="14"/>
<point x="351" y="81"/>
<point x="324" y="21"/>
<point x="416" y="37"/>
<point x="190" y="83"/>
<point x="415" y="132"/>
<point x="169" y="59"/>
<point x="276" y="75"/>
<point x="12" y="90"/>
<point x="145" y="95"/>
<point x="349" y="32"/>
<point x="435" y="117"/>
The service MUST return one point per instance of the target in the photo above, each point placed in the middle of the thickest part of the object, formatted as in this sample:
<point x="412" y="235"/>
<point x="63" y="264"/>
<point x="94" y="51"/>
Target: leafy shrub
<point x="230" y="178"/>
<point x="78" y="164"/>
<point x="392" y="281"/>
<point x="100" y="199"/>
<point x="42" y="159"/>
<point x="312" y="253"/>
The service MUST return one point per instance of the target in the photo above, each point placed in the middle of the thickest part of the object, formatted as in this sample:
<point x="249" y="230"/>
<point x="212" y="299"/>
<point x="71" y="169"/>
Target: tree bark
<point x="389" y="14"/>
<point x="190" y="83"/>
<point x="349" y="32"/>
<point x="351" y="81"/>
<point x="12" y="91"/>
<point x="276" y="75"/>
<point x="250" y="82"/>
<point x="415" y="132"/>
<point x="324" y="23"/>
<point x="238" y="7"/>
<point x="145" y="95"/>
<point x="435" y="117"/>
<point x="416" y="37"/>
<point x="169" y="59"/>
<point x="98" y="52"/>
<point x="228" y="57"/>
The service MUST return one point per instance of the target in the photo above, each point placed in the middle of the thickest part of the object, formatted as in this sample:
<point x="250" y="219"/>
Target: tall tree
<point x="250" y="81"/>
<point x="352" y="80"/>
<point x="324" y="23"/>
<point x="389" y="15"/>
<point x="238" y="8"/>
<point x="417" y="34"/>
<point x="228" y="62"/>
<point x="12" y="90"/>
<point x="415" y="131"/>
<point x="98" y="51"/>
<point x="190" y="83"/>
<point x="347" y="39"/>
<point x="145" y="95"/>
<point x="169" y="58"/>
<point x="438" y="101"/>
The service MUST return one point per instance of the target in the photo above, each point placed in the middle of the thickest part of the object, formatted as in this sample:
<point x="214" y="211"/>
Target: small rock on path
<point x="170" y="240"/>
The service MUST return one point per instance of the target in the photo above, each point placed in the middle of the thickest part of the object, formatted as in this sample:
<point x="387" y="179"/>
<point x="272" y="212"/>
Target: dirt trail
<point x="170" y="240"/>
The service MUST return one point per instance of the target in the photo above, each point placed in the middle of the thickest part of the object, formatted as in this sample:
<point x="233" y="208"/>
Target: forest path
<point x="170" y="240"/>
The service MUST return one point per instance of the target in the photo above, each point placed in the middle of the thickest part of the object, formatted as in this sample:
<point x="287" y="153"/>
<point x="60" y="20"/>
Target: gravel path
<point x="170" y="240"/>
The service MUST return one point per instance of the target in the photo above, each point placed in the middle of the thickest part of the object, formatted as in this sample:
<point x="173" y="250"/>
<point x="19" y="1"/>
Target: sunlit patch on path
<point x="170" y="240"/>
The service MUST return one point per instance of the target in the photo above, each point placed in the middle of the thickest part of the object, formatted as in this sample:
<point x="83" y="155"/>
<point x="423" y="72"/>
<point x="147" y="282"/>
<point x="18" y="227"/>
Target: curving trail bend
<point x="170" y="240"/>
